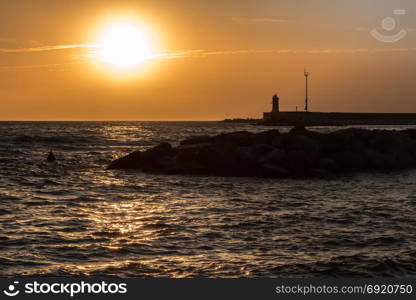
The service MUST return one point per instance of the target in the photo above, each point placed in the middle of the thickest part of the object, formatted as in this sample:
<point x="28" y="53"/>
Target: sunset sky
<point x="205" y="60"/>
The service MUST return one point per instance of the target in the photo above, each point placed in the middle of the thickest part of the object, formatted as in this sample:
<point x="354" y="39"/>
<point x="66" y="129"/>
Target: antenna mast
<point x="306" y="81"/>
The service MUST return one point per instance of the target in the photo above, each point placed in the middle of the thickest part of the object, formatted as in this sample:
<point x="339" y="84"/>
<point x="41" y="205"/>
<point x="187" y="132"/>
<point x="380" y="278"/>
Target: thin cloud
<point x="206" y="53"/>
<point x="179" y="54"/>
<point x="258" y="20"/>
<point x="44" y="48"/>
<point x="49" y="67"/>
<point x="92" y="55"/>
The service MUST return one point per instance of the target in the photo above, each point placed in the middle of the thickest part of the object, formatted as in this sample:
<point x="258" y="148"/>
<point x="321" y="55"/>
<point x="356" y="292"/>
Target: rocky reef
<point x="298" y="153"/>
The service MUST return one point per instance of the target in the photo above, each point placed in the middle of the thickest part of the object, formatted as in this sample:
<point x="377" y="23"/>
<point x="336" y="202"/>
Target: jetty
<point x="293" y="118"/>
<point x="298" y="153"/>
<point x="310" y="118"/>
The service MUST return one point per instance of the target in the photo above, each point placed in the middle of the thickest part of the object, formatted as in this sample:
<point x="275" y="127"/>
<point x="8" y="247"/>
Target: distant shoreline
<point x="242" y="120"/>
<point x="293" y="118"/>
<point x="80" y="121"/>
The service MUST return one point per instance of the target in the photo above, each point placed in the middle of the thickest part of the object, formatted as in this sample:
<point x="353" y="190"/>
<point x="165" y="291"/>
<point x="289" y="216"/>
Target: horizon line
<point x="118" y="120"/>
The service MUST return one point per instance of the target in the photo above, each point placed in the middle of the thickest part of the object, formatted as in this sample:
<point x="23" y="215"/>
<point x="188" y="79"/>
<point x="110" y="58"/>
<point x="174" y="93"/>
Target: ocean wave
<point x="75" y="218"/>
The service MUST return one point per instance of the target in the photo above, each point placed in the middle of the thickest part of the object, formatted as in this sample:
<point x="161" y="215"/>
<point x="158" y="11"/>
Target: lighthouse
<point x="275" y="102"/>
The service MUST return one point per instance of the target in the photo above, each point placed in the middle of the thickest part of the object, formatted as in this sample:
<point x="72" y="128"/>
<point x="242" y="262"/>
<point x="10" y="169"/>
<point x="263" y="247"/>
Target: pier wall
<point x="336" y="118"/>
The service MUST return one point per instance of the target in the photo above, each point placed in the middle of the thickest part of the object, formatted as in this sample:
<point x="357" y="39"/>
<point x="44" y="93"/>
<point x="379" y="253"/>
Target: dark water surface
<point x="75" y="218"/>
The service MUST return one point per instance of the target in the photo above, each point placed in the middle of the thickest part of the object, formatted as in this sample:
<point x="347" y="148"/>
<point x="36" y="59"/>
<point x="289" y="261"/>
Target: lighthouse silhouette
<point x="275" y="106"/>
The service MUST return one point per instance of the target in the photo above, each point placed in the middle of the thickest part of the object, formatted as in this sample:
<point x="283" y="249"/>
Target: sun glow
<point x="125" y="46"/>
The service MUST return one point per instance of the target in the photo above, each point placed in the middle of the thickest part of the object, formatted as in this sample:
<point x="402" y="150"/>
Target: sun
<point x="125" y="46"/>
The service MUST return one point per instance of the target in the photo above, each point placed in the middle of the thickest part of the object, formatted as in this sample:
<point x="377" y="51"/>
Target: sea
<point x="75" y="218"/>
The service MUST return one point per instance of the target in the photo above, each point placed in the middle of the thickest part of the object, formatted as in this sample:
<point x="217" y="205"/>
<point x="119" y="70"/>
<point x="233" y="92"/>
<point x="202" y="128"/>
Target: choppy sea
<point x="75" y="218"/>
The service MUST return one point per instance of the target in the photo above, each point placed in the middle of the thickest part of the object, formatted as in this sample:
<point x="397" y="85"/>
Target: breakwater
<point x="298" y="153"/>
<point x="289" y="118"/>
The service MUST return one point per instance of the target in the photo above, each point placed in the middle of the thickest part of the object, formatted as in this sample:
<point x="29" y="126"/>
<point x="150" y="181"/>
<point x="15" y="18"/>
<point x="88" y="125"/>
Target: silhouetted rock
<point x="149" y="160"/>
<point x="197" y="140"/>
<point x="275" y="157"/>
<point x="350" y="161"/>
<point x="272" y="171"/>
<point x="51" y="157"/>
<point x="130" y="161"/>
<point x="188" y="152"/>
<point x="246" y="154"/>
<point x="298" y="153"/>
<point x="220" y="159"/>
<point x="410" y="132"/>
<point x="299" y="129"/>
<point x="239" y="138"/>
<point x="272" y="137"/>
<point x="328" y="164"/>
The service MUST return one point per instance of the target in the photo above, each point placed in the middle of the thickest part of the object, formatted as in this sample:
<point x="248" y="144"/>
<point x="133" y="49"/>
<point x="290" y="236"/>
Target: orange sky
<point x="215" y="59"/>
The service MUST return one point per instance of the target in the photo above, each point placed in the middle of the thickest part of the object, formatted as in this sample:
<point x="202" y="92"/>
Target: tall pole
<point x="306" y="82"/>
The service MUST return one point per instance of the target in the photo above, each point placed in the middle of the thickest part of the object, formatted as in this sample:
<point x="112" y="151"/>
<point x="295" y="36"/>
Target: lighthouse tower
<point x="275" y="104"/>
